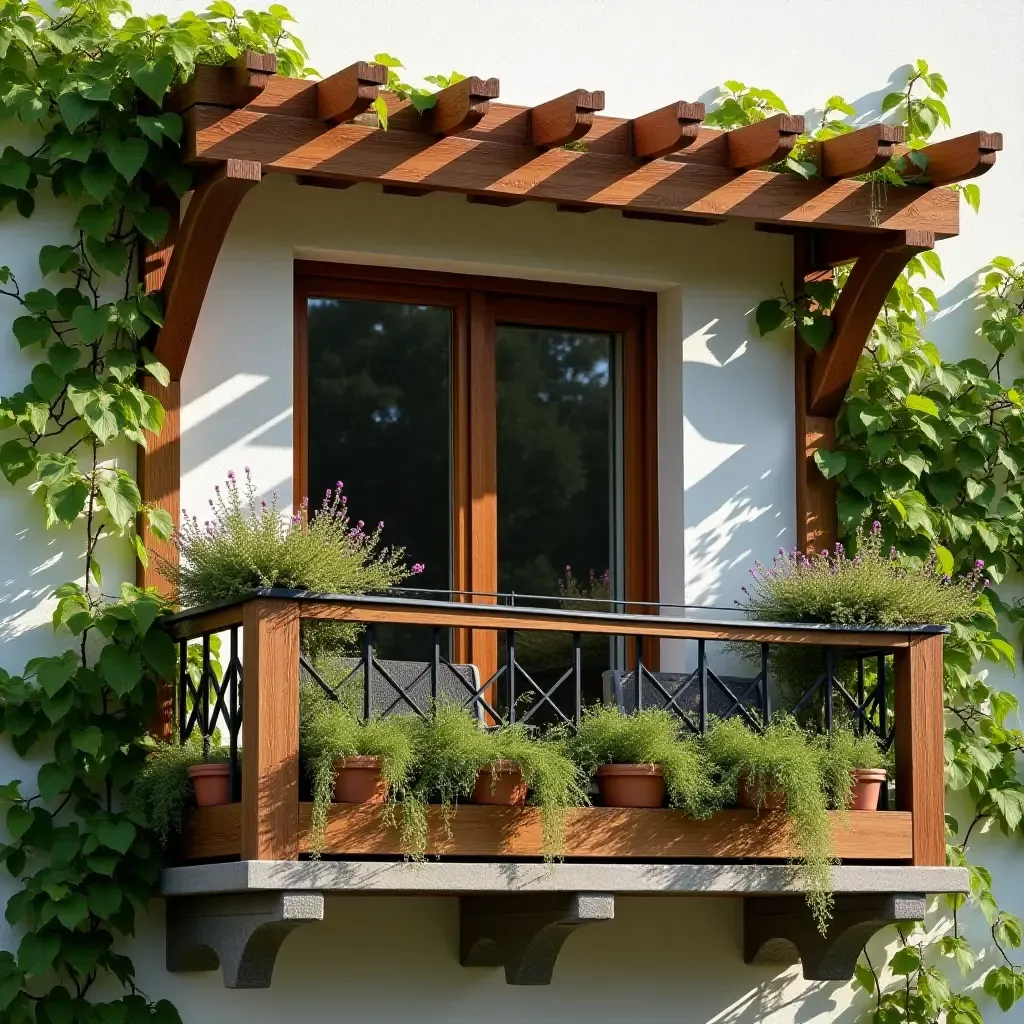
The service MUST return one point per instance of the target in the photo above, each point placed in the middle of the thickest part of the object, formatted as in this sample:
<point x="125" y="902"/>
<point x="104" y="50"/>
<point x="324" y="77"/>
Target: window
<point x="504" y="431"/>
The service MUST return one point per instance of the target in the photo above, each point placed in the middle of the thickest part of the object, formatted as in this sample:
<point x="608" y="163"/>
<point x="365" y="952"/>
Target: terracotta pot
<point x="500" y="782"/>
<point x="211" y="784"/>
<point x="631" y="785"/>
<point x="357" y="781"/>
<point x="867" y="788"/>
<point x="747" y="797"/>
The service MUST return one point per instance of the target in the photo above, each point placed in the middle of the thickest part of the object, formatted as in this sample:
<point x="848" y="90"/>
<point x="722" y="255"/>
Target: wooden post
<point x="919" y="745"/>
<point x="270" y="730"/>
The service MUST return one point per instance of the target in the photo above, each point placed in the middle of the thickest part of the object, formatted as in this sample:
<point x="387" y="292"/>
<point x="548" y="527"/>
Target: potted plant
<point x="853" y="769"/>
<point x="781" y="769"/>
<point x="637" y="759"/>
<point x="174" y="777"/>
<point x="351" y="761"/>
<point x="460" y="760"/>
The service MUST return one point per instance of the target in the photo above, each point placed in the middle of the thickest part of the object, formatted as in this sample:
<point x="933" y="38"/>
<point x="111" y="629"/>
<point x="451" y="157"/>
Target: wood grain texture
<point x="159" y="478"/>
<point x="854" y="316"/>
<point x="207" y="622"/>
<point x="601" y="833"/>
<point x="763" y="142"/>
<point x="270" y="710"/>
<point x="473" y="165"/>
<point x="817" y="521"/>
<point x="349" y="92"/>
<point x="961" y="158"/>
<point x="667" y="130"/>
<point x="859" y="152"/>
<point x="252" y="72"/>
<point x="565" y="119"/>
<point x="920" y="786"/>
<point x="200" y="237"/>
<point x="461" y="106"/>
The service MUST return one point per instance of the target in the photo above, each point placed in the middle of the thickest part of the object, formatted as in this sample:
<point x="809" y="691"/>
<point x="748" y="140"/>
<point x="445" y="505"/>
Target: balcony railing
<point x="541" y="666"/>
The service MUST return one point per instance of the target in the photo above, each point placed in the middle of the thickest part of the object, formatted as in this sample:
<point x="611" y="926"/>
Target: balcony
<point x="244" y="879"/>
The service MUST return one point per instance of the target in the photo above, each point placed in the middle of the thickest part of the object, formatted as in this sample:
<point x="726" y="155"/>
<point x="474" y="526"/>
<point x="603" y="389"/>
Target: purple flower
<point x="380" y="525"/>
<point x="979" y="564"/>
<point x="339" y="485"/>
<point x="988" y="583"/>
<point x="417" y="568"/>
<point x="876" y="527"/>
<point x="231" y="475"/>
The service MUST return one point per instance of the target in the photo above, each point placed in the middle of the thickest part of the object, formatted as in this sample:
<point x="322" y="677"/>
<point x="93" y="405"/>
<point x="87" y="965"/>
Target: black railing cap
<point x="620" y="619"/>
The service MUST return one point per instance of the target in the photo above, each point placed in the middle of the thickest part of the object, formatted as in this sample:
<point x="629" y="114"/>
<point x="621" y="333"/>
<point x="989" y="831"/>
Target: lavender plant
<point x="249" y="544"/>
<point x="871" y="588"/>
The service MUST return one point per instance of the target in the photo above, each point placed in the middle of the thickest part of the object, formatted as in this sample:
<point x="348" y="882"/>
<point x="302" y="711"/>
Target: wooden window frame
<point x="478" y="304"/>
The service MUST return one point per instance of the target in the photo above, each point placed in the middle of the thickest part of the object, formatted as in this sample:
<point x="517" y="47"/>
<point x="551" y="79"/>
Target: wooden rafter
<point x="763" y="142"/>
<point x="199" y="241"/>
<point x="565" y="119"/>
<point x="961" y="158"/>
<point x="859" y="152"/>
<point x="667" y="130"/>
<point x="349" y="92"/>
<point x="461" y="106"/>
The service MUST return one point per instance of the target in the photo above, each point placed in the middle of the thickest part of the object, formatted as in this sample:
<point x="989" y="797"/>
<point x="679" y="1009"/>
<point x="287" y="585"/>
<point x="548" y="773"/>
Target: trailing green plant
<point x="649" y="736"/>
<point x="162" y="791"/>
<point x="783" y="759"/>
<point x="248" y="544"/>
<point x="840" y="752"/>
<point x="453" y="748"/>
<point x="328" y="730"/>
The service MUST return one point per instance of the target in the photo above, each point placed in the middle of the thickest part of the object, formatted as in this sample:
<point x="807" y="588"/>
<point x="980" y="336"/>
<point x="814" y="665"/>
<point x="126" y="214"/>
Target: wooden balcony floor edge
<point x="601" y="833"/>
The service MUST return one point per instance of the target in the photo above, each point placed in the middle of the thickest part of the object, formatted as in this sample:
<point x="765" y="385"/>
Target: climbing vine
<point x="934" y="451"/>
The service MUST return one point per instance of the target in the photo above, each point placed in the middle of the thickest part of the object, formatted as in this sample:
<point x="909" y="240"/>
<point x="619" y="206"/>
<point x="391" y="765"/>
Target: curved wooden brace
<point x="667" y="130"/>
<point x="200" y="237"/>
<point x="854" y="315"/>
<point x="564" y="120"/>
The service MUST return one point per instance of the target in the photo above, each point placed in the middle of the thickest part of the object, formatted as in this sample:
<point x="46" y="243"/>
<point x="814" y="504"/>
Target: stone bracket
<point x="779" y="929"/>
<point x="242" y="932"/>
<point x="524" y="933"/>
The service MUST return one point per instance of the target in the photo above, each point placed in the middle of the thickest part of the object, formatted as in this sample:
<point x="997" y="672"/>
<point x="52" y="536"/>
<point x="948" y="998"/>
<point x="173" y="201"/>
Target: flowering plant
<point x="871" y="589"/>
<point x="249" y="544"/>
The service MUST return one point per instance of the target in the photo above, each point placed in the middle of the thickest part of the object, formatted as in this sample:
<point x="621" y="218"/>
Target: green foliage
<point x="868" y="589"/>
<point x="649" y="736"/>
<point x="162" y="790"/>
<point x="784" y="760"/>
<point x="86" y="82"/>
<point x="422" y="99"/>
<point x="328" y="730"/>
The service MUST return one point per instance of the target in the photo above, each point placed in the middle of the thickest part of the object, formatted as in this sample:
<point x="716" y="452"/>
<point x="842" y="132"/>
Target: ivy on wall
<point x="934" y="451"/>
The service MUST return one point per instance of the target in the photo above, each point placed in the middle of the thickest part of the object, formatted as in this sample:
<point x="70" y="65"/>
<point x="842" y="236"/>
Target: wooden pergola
<point x="244" y="121"/>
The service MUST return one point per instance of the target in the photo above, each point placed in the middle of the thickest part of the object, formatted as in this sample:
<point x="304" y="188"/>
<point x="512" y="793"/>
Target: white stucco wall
<point x="726" y="431"/>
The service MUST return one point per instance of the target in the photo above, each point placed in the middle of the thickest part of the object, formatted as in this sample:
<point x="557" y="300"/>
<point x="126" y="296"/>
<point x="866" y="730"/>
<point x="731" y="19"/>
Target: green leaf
<point x="72" y="910"/>
<point x="16" y="460"/>
<point x="127" y="157"/>
<point x="918" y="403"/>
<point x="944" y="486"/>
<point x="75" y="111"/>
<point x="769" y="316"/>
<point x="104" y="899"/>
<point x="31" y="330"/>
<point x="153" y="77"/>
<point x="865" y="978"/>
<point x="830" y="463"/>
<point x="96" y="221"/>
<point x="944" y="559"/>
<point x="905" y="961"/>
<point x="118" y="835"/>
<point x="121" y="499"/>
<point x="54" y="673"/>
<point x="109" y="256"/>
<point x="822" y="292"/>
<point x="159" y="522"/>
<point x="53" y="779"/>
<point x="98" y="178"/>
<point x="69" y="502"/>
<point x="121" y="668"/>
<point x="46" y="381"/>
<point x="88" y="739"/>
<point x="160" y="653"/>
<point x="152" y="223"/>
<point x="815" y="329"/>
<point x="63" y="358"/>
<point x="167" y="125"/>
<point x="57" y="259"/>
<point x="19" y="820"/>
<point x="972" y="196"/>
<point x="37" y="952"/>
<point x="91" y="323"/>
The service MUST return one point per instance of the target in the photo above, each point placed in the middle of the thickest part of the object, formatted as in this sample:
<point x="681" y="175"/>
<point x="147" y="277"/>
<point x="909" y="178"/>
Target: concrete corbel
<point x="780" y="930"/>
<point x="242" y="932"/>
<point x="524" y="934"/>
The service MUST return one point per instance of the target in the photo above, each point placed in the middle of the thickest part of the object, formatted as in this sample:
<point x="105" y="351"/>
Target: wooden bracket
<point x="348" y="93"/>
<point x="964" y="157"/>
<point x="854" y="315"/>
<point x="667" y="130"/>
<point x="199" y="242"/>
<point x="859" y="152"/>
<point x="763" y="142"/>
<point x="461" y="106"/>
<point x="564" y="120"/>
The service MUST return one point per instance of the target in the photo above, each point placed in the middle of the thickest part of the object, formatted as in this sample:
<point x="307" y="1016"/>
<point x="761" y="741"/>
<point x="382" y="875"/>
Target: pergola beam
<point x="859" y="152"/>
<point x="461" y="106"/>
<point x="763" y="142"/>
<point x="349" y="92"/>
<point x="961" y="158"/>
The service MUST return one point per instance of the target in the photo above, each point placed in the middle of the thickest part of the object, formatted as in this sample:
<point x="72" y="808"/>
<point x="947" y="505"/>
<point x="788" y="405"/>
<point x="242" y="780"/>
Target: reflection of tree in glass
<point x="379" y="416"/>
<point x="555" y="415"/>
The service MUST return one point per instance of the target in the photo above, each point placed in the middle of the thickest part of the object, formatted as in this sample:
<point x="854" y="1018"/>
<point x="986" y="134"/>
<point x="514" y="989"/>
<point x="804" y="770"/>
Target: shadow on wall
<point x="396" y="959"/>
